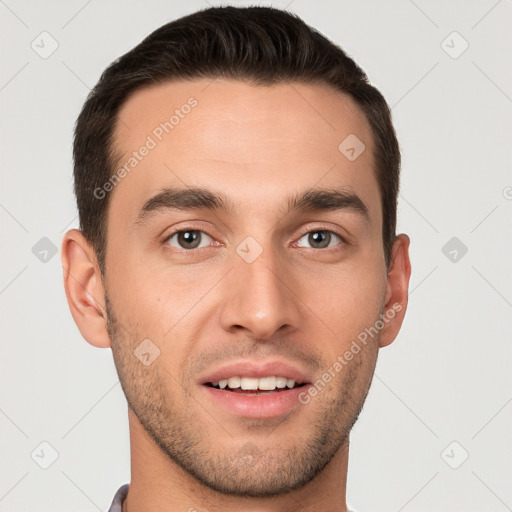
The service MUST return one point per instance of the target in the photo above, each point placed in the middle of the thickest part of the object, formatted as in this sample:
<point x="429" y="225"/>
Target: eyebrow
<point x="312" y="200"/>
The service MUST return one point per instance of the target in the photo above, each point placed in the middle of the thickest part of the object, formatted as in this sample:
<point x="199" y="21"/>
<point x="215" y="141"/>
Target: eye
<point x="188" y="239"/>
<point x="321" y="239"/>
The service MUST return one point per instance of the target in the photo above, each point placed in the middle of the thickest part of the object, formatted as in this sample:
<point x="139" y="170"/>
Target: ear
<point x="397" y="291"/>
<point x="84" y="288"/>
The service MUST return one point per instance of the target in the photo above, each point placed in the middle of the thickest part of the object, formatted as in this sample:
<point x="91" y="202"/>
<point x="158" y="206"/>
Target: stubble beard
<point x="260" y="467"/>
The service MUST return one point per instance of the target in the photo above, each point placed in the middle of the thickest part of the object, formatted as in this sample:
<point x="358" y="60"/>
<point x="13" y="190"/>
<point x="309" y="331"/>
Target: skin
<point x="296" y="302"/>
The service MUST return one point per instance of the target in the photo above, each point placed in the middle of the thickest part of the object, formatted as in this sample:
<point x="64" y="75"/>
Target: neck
<point x="158" y="483"/>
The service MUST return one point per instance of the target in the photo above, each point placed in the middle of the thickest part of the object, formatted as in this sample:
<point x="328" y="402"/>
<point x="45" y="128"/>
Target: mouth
<point x="260" y="404"/>
<point x="255" y="389"/>
<point x="256" y="386"/>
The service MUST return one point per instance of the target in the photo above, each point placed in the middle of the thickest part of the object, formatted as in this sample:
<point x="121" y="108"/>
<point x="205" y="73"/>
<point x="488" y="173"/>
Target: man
<point x="237" y="178"/>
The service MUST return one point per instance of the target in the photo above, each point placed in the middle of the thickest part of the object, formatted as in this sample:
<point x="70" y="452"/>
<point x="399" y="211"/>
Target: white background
<point x="448" y="375"/>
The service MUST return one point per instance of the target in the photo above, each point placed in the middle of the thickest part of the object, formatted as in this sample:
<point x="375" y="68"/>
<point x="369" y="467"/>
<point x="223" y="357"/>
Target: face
<point x="243" y="272"/>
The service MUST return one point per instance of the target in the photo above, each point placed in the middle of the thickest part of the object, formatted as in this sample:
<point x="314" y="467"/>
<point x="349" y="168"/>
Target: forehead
<point x="256" y="143"/>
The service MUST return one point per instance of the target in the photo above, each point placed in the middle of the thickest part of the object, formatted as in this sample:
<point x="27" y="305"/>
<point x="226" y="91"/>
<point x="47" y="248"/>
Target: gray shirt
<point x="117" y="502"/>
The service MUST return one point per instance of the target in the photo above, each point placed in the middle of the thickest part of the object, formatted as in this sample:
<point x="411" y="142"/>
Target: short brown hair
<point x="262" y="45"/>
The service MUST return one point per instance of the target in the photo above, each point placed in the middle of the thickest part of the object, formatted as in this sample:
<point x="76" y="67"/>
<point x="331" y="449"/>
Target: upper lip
<point x="256" y="370"/>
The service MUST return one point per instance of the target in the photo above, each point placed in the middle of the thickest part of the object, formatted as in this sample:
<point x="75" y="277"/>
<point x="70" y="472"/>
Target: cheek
<point x="138" y="296"/>
<point x="164" y="302"/>
<point x="347" y="298"/>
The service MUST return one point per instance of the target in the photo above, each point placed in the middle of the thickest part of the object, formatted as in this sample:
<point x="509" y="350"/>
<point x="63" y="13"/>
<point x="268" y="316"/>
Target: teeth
<point x="281" y="382"/>
<point x="234" y="382"/>
<point x="267" y="383"/>
<point x="249" y="383"/>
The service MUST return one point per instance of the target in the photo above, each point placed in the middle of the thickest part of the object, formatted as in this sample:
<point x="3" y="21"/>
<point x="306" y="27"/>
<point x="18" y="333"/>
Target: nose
<point x="259" y="297"/>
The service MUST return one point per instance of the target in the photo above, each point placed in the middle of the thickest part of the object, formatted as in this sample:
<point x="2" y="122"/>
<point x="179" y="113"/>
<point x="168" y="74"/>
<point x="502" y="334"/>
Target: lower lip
<point x="267" y="405"/>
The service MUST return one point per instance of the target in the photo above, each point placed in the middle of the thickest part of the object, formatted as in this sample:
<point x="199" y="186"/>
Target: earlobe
<point x="397" y="290"/>
<point x="84" y="288"/>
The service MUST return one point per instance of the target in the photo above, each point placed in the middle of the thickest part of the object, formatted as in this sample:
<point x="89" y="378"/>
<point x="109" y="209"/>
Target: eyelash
<point x="184" y="230"/>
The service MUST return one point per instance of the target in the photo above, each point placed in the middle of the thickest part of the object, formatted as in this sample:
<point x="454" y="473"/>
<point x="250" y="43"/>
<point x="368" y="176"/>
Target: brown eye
<point x="188" y="239"/>
<point x="321" y="239"/>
